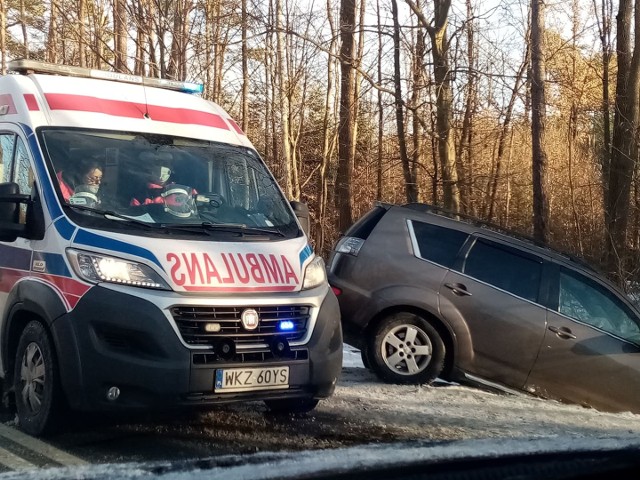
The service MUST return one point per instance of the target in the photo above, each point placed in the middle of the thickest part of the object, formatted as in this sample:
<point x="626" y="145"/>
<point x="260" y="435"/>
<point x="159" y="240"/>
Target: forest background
<point x="523" y="113"/>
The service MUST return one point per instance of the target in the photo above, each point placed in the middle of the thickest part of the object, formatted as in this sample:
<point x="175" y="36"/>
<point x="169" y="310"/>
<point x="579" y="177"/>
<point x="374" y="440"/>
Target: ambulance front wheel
<point x="36" y="383"/>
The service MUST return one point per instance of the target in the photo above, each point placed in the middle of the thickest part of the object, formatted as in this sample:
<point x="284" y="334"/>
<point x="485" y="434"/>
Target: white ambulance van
<point x="148" y="258"/>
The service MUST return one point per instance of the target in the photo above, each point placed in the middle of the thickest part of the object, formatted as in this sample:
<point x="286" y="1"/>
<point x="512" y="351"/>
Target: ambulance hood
<point x="209" y="266"/>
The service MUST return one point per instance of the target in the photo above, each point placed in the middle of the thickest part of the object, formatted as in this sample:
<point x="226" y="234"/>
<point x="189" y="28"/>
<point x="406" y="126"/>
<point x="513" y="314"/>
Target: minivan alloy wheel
<point x="406" y="349"/>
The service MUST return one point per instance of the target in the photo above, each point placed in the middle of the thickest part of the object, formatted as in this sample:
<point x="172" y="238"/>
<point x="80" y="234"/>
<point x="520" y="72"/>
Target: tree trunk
<point x="52" y="36"/>
<point x="624" y="145"/>
<point x="120" y="35"/>
<point x="282" y="85"/>
<point x="347" y="107"/>
<point x="444" y="98"/>
<point x="411" y="189"/>
<point x="245" y="69"/>
<point x="465" y="160"/>
<point x="379" y="182"/>
<point x="3" y="35"/>
<point x="328" y="143"/>
<point x="23" y="26"/>
<point x="538" y="120"/>
<point x="82" y="47"/>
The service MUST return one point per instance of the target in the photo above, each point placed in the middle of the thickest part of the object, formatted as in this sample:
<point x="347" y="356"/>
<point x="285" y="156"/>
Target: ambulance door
<point x="16" y="258"/>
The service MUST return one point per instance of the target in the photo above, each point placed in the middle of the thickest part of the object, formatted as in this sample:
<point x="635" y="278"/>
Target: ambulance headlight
<point x="314" y="274"/>
<point x="102" y="268"/>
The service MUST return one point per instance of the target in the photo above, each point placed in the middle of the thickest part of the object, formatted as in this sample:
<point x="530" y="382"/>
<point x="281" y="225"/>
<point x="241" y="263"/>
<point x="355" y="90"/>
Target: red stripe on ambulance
<point x="32" y="103"/>
<point x="235" y="126"/>
<point x="232" y="271"/>
<point x="119" y="108"/>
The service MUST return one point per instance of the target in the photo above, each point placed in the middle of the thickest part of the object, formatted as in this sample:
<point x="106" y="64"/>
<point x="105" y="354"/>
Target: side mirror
<point x="10" y="200"/>
<point x="301" y="211"/>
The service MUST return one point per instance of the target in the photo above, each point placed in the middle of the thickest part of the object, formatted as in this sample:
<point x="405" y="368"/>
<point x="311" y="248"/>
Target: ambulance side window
<point x="7" y="143"/>
<point x="23" y="174"/>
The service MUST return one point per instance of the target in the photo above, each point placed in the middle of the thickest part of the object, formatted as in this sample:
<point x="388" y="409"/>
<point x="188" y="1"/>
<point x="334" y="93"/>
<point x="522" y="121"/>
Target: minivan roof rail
<point x="425" y="207"/>
<point x="25" y="67"/>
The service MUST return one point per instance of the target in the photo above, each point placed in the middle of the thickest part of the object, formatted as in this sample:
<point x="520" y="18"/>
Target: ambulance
<point x="148" y="258"/>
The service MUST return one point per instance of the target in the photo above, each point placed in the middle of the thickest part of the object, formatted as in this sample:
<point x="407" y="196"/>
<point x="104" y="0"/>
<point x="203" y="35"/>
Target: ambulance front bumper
<point x="115" y="339"/>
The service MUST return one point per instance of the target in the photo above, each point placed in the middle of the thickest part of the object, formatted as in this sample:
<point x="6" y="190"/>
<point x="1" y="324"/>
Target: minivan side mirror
<point x="10" y="200"/>
<point x="301" y="211"/>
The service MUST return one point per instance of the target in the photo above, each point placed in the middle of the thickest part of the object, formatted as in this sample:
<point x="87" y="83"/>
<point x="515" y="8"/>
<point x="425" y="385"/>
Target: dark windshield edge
<point x="108" y="213"/>
<point x="228" y="227"/>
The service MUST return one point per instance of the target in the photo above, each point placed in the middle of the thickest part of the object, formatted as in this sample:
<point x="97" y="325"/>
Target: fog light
<point x="212" y="327"/>
<point x="113" y="393"/>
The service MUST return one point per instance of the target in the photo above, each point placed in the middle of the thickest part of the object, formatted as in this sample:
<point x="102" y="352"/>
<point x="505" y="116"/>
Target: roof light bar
<point x="24" y="66"/>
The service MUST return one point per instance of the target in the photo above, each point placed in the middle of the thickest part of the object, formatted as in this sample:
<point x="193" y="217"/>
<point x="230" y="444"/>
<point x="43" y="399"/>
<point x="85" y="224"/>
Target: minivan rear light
<point x="350" y="245"/>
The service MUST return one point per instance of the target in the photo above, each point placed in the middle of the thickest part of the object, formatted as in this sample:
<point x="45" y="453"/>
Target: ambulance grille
<point x="192" y="322"/>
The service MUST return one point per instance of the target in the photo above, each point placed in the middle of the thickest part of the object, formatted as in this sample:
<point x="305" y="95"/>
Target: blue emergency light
<point x="286" y="326"/>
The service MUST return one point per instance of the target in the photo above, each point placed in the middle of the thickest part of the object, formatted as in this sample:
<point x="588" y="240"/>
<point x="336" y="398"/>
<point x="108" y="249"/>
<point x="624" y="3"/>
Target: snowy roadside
<point x="450" y="411"/>
<point x="443" y="421"/>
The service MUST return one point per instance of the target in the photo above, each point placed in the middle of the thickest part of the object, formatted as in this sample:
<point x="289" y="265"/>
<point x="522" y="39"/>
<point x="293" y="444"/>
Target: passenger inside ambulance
<point x="81" y="186"/>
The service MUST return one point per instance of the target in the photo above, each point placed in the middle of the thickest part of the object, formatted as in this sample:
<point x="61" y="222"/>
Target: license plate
<point x="244" y="379"/>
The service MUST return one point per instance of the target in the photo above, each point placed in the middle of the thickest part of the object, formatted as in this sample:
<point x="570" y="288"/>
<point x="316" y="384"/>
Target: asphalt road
<point x="362" y="411"/>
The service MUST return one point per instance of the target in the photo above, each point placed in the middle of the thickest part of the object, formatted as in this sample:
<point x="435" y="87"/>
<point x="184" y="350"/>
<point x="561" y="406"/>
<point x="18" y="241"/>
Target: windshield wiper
<point x="228" y="227"/>
<point x="109" y="213"/>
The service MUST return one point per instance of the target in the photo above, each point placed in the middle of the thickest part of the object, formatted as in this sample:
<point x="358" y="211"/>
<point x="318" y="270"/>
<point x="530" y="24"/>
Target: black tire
<point x="396" y="360"/>
<point x="37" y="387"/>
<point x="293" y="405"/>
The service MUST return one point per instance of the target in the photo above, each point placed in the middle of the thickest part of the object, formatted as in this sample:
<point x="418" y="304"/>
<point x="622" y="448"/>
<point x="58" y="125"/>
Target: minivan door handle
<point x="562" y="332"/>
<point x="458" y="289"/>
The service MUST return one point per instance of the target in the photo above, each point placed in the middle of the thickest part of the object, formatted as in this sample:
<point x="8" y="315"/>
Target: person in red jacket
<point x="89" y="177"/>
<point x="177" y="200"/>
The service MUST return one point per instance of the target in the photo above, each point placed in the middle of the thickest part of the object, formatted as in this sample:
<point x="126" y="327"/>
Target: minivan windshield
<point x="165" y="182"/>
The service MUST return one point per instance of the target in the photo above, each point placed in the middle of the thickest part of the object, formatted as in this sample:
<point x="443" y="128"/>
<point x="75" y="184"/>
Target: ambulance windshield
<point x="160" y="179"/>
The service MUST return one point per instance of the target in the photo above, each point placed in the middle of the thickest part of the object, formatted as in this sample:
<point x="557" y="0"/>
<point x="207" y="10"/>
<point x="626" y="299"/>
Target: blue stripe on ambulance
<point x="14" y="257"/>
<point x="304" y="254"/>
<point x="92" y="240"/>
<point x="65" y="228"/>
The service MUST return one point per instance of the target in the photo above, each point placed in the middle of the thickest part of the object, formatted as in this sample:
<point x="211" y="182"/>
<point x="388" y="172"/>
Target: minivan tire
<point x="38" y="395"/>
<point x="395" y="360"/>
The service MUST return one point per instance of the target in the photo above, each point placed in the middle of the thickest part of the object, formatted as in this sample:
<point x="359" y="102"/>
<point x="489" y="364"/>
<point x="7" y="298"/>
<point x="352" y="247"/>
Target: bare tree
<point x="411" y="188"/>
<point x="538" y="118"/>
<point x="347" y="107"/>
<point x="120" y="35"/>
<point x="437" y="30"/>
<point x="624" y="145"/>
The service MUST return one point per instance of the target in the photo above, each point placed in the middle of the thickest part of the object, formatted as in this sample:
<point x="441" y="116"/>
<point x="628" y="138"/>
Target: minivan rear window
<point x="437" y="244"/>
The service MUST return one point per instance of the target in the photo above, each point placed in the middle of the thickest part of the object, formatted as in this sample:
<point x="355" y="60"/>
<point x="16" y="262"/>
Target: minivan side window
<point x="506" y="268"/>
<point x="591" y="303"/>
<point x="436" y="244"/>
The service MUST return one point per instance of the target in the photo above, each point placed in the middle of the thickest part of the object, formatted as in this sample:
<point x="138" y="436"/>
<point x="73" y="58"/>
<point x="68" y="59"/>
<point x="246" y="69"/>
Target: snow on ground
<point x="450" y="411"/>
<point x="369" y="417"/>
